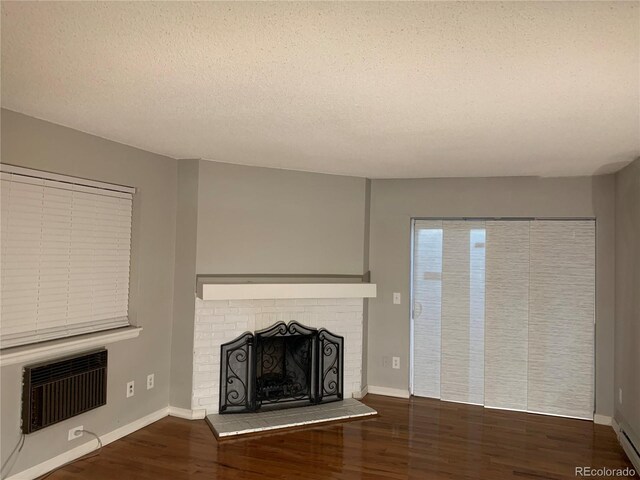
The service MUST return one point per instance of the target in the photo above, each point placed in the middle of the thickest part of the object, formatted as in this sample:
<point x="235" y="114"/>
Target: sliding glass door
<point x="503" y="313"/>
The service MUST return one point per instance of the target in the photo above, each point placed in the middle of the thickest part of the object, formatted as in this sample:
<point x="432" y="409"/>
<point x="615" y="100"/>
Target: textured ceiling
<point x="367" y="89"/>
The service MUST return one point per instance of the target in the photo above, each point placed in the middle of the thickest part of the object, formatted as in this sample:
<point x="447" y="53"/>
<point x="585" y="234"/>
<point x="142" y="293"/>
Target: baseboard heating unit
<point x="630" y="448"/>
<point x="59" y="389"/>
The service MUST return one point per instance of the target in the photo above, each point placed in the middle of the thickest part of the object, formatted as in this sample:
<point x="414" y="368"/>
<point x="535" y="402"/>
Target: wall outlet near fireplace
<point x="395" y="362"/>
<point x="150" y="381"/>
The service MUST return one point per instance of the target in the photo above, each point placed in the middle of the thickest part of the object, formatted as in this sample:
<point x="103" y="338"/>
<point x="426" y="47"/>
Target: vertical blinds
<point x="504" y="314"/>
<point x="462" y="370"/>
<point x="561" y="318"/>
<point x="507" y="315"/>
<point x="65" y="251"/>
<point x="427" y="285"/>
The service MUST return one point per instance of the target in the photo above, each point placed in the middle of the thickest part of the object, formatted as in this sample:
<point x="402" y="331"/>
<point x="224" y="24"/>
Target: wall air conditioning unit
<point x="55" y="390"/>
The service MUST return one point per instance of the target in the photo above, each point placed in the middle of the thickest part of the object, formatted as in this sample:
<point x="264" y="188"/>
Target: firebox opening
<point x="288" y="365"/>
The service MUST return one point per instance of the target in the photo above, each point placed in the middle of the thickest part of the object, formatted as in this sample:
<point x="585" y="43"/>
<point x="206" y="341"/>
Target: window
<point x="503" y="313"/>
<point x="65" y="248"/>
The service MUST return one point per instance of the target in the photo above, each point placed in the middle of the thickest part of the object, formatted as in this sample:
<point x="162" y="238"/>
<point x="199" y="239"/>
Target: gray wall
<point x="33" y="143"/>
<point x="184" y="284"/>
<point x="394" y="202"/>
<point x="264" y="220"/>
<point x="245" y="220"/>
<point x="628" y="298"/>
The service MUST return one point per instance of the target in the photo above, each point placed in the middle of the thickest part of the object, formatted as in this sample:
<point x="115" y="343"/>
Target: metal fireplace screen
<point x="281" y="364"/>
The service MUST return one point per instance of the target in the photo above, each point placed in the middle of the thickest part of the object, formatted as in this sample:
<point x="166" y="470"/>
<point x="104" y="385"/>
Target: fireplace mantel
<point x="261" y="291"/>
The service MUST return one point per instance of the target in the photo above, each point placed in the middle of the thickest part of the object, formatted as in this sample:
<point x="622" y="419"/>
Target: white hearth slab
<point x="260" y="291"/>
<point x="234" y="424"/>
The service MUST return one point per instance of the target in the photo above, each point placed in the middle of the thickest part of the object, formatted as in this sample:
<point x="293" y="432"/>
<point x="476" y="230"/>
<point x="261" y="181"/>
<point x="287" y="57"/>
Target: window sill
<point x="40" y="351"/>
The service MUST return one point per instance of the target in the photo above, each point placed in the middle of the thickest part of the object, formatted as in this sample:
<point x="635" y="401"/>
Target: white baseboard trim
<point x="616" y="427"/>
<point x="77" y="452"/>
<point x="388" y="392"/>
<point x="360" y="395"/>
<point x="602" y="419"/>
<point x="187" y="413"/>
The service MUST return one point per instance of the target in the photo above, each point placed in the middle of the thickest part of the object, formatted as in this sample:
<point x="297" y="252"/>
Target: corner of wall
<point x="365" y="269"/>
<point x="184" y="289"/>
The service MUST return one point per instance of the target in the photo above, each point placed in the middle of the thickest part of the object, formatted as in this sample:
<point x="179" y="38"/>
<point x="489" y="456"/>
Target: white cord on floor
<point x="84" y="457"/>
<point x="17" y="448"/>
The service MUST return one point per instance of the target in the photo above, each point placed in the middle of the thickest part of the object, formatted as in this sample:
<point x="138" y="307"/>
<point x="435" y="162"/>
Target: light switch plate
<point x="396" y="298"/>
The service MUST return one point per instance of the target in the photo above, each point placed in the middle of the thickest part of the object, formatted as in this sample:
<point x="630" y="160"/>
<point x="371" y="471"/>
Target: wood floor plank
<point x="417" y="438"/>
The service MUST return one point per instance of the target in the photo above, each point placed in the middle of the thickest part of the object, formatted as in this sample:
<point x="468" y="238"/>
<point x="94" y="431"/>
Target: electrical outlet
<point x="396" y="362"/>
<point x="150" y="380"/>
<point x="396" y="298"/>
<point x="620" y="395"/>
<point x="130" y="389"/>
<point x="386" y="362"/>
<point x="75" y="432"/>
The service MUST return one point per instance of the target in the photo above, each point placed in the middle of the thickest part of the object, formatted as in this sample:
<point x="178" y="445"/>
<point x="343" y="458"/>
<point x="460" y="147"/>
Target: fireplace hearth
<point x="283" y="365"/>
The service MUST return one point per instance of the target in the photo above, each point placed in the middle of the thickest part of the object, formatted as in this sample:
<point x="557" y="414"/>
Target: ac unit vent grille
<point x="57" y="390"/>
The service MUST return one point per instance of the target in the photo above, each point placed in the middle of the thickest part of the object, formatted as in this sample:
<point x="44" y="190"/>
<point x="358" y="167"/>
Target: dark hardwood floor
<point x="416" y="439"/>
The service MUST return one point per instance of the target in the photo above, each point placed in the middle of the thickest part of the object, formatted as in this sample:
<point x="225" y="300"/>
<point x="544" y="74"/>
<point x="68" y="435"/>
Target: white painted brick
<point x="282" y="302"/>
<point x="215" y="303"/>
<point x="226" y="327"/>
<point x="241" y="303"/>
<point x="249" y="310"/>
<point x="349" y="308"/>
<point x="281" y="309"/>
<point x="203" y="367"/>
<point x="219" y="321"/>
<point x="202" y="343"/>
<point x="266" y="302"/>
<point x="204" y="319"/>
<point x="306" y="301"/>
<point x="202" y="335"/>
<point x="203" y="327"/>
<point x="204" y="380"/>
<point x="206" y="392"/>
<point x="206" y="387"/>
<point x="205" y="351"/>
<point x="204" y="359"/>
<point x="319" y="308"/>
<point x="202" y="402"/>
<point x="225" y="310"/>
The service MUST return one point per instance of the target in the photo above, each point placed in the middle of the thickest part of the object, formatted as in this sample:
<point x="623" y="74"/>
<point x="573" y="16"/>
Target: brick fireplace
<point x="220" y="321"/>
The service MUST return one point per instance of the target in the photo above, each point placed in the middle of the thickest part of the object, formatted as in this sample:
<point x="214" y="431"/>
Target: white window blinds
<point x="65" y="249"/>
<point x="561" y="318"/>
<point x="427" y="288"/>
<point x="448" y="310"/>
<point x="507" y="314"/>
<point x="503" y="313"/>
<point x="462" y="374"/>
